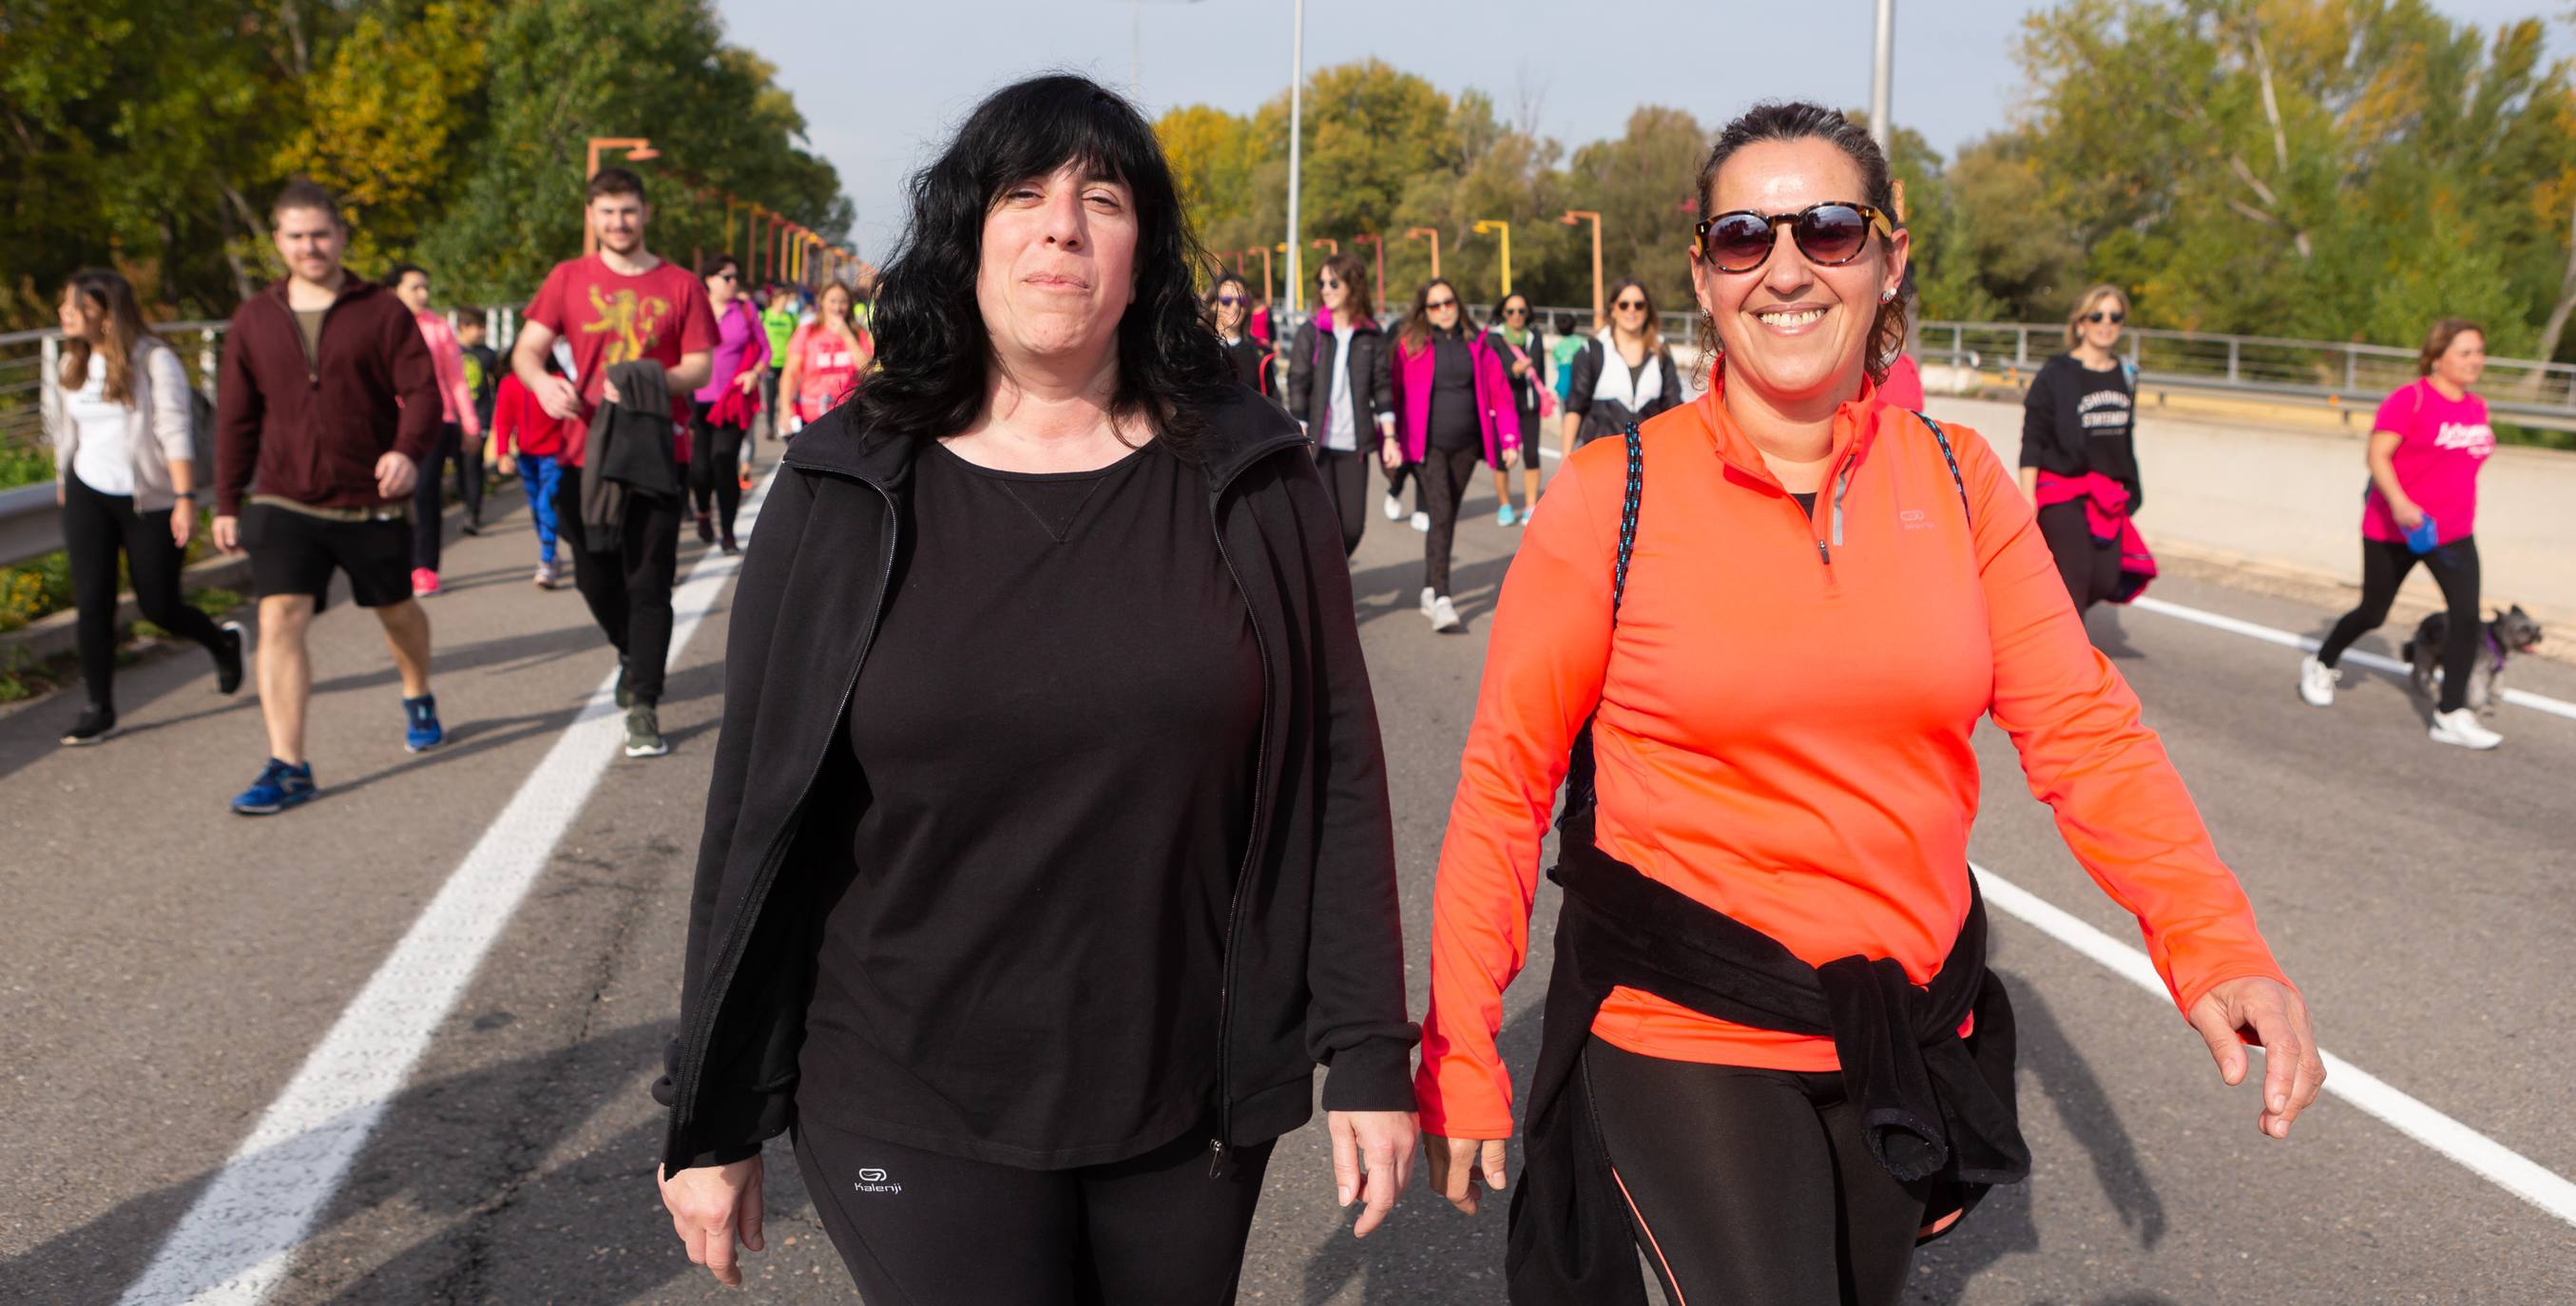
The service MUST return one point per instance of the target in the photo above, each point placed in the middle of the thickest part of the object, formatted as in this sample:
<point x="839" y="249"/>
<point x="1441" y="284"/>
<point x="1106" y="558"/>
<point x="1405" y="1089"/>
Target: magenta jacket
<point x="1495" y="413"/>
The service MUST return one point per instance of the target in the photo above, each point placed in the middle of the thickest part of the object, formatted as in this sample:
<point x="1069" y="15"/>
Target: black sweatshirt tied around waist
<point x="1933" y="1105"/>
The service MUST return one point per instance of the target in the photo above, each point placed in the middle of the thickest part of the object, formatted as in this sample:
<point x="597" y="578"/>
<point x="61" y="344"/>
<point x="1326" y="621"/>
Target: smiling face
<point x="1058" y="266"/>
<point x="1790" y="327"/>
<point x="618" y="222"/>
<point x="2464" y="361"/>
<point x="310" y="241"/>
<point x="1516" y="313"/>
<point x="80" y="319"/>
<point x="1332" y="292"/>
<point x="2100" y="322"/>
<point x="722" y="283"/>
<point x="1440" y="305"/>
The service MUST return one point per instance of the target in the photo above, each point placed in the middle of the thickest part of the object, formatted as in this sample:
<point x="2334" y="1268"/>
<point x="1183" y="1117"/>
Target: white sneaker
<point x="1444" y="615"/>
<point x="1429" y="599"/>
<point x="2316" y="682"/>
<point x="2461" y="726"/>
<point x="1394" y="508"/>
<point x="1422" y="522"/>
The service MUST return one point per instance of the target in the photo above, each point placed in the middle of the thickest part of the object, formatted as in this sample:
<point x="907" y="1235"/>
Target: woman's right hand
<point x="2407" y="514"/>
<point x="712" y="1205"/>
<point x="1458" y="1164"/>
<point x="1390" y="454"/>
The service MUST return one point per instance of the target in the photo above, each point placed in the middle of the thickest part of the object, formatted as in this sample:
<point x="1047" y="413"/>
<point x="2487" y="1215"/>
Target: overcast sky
<point x="882" y="82"/>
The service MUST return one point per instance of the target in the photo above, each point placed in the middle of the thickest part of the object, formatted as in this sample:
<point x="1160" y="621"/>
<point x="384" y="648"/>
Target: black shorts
<point x="295" y="553"/>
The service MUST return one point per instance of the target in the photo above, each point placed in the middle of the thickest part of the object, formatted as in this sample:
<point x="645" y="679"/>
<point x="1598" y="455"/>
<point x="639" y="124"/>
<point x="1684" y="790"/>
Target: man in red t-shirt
<point x="620" y="305"/>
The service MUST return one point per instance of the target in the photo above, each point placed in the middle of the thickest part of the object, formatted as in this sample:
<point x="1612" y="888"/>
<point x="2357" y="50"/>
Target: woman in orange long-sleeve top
<point x="1770" y="1012"/>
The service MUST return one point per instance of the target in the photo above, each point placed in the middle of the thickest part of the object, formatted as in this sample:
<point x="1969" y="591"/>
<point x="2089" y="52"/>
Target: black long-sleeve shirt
<point x="2076" y="420"/>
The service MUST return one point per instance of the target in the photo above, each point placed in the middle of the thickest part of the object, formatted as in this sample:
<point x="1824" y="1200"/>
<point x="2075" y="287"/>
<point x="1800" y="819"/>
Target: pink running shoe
<point x="424" y="582"/>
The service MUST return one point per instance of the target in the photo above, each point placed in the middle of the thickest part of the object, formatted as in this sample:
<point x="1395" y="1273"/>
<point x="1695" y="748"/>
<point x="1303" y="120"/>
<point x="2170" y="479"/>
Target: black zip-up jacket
<point x="1314" y="968"/>
<point x="1310" y="382"/>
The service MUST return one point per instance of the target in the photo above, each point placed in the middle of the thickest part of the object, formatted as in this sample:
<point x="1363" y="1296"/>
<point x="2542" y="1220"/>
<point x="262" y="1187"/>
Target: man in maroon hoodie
<point x="327" y="404"/>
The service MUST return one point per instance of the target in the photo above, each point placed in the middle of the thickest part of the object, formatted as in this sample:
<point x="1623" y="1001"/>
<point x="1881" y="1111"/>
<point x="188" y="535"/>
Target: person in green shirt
<point x="778" y="318"/>
<point x="1562" y="353"/>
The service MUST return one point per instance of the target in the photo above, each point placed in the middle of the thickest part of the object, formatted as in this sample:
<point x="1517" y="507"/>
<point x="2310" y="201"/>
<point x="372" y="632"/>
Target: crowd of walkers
<point x="1044" y="687"/>
<point x="343" y="402"/>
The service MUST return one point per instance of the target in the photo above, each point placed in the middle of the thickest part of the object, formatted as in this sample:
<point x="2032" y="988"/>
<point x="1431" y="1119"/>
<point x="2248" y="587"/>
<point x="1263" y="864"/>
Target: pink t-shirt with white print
<point x="2441" y="445"/>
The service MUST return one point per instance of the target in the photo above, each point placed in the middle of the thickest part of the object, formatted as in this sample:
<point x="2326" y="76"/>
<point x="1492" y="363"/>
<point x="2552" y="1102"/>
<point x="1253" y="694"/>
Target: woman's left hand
<point x="1391" y="454"/>
<point x="183" y="522"/>
<point x="2268" y="1014"/>
<point x="748" y="381"/>
<point x="1372" y="1160"/>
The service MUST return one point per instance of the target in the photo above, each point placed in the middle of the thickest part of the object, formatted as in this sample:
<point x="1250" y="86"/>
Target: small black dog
<point x="2513" y="631"/>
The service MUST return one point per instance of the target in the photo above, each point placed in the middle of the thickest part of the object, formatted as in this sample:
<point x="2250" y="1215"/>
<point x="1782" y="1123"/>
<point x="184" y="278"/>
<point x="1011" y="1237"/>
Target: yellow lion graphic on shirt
<point x="631" y="322"/>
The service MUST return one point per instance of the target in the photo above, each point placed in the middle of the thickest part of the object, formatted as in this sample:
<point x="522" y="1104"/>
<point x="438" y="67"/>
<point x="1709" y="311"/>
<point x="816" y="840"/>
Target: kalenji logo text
<point x="874" y="1181"/>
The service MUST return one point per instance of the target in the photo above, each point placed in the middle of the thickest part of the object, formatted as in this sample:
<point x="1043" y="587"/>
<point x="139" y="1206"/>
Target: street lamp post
<point x="1296" y="143"/>
<point x="1573" y="217"/>
<point x="1431" y="234"/>
<point x="1882" y="76"/>
<point x="1497" y="224"/>
<point x="638" y="150"/>
<point x="1327" y="244"/>
<point x="1378" y="246"/>
<point x="1264" y="252"/>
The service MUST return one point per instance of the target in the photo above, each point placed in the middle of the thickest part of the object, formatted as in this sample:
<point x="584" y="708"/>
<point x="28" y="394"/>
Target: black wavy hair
<point x="932" y="344"/>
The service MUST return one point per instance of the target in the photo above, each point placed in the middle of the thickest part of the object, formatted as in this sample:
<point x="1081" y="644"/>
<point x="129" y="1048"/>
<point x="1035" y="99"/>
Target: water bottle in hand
<point x="2425" y="537"/>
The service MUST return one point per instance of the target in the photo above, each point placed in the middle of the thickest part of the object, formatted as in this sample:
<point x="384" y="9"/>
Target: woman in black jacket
<point x="1048" y="849"/>
<point x="1230" y="307"/>
<point x="1624" y="375"/>
<point x="1339" y="389"/>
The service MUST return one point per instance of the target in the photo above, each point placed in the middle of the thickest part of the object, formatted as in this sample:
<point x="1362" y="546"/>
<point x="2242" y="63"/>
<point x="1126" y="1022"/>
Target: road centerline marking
<point x="241" y="1235"/>
<point x="2376" y="662"/>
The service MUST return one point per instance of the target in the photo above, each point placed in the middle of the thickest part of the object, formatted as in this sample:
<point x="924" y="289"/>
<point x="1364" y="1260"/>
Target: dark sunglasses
<point x="726" y="276"/>
<point x="1829" y="234"/>
<point x="2114" y="319"/>
<point x="1435" y="305"/>
<point x="1629" y="306"/>
<point x="1330" y="282"/>
<point x="1516" y="312"/>
<point x="1229" y="300"/>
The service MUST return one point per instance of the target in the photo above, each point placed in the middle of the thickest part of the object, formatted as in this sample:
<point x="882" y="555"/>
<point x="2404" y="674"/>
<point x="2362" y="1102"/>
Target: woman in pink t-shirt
<point x="824" y="358"/>
<point x="2426" y="446"/>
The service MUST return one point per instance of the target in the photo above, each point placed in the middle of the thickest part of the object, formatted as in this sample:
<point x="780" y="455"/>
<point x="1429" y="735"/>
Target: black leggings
<point x="426" y="493"/>
<point x="628" y="590"/>
<point x="1345" y="474"/>
<point x="1752" y="1185"/>
<point x="2090" y="567"/>
<point x="1442" y="480"/>
<point x="715" y="455"/>
<point x="95" y="528"/>
<point x="926" y="1229"/>
<point x="2384" y="565"/>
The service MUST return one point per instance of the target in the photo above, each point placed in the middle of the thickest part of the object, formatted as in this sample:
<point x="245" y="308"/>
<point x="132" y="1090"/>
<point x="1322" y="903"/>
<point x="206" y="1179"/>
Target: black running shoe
<point x="96" y="723"/>
<point x="228" y="657"/>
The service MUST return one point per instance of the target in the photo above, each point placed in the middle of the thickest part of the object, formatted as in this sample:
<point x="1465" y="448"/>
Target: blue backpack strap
<point x="1947" y="456"/>
<point x="1628" y="517"/>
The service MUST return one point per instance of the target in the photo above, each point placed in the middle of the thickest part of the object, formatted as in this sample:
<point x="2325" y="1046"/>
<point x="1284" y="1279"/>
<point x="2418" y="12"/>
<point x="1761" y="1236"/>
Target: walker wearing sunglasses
<point x="1624" y="375"/>
<point x="1230" y="307"/>
<point x="1754" y="646"/>
<point x="2079" y="461"/>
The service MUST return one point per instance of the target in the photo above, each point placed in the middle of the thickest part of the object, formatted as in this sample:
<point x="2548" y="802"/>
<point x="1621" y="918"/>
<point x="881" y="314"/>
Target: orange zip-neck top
<point x="1783" y="732"/>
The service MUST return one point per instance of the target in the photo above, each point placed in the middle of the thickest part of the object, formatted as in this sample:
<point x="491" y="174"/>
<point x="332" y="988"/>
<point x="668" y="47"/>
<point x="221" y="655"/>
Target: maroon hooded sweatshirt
<point x="310" y="429"/>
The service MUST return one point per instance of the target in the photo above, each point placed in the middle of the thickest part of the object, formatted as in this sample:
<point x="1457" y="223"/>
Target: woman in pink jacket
<point x="1452" y="402"/>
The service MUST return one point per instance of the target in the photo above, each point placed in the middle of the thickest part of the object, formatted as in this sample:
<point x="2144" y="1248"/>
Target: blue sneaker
<point x="1503" y="515"/>
<point x="421" y="729"/>
<point x="278" y="787"/>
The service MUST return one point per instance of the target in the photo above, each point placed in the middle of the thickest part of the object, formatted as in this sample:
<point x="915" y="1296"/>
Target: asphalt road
<point x="166" y="967"/>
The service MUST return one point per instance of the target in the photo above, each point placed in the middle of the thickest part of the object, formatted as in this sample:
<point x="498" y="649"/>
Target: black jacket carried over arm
<point x="630" y="451"/>
<point x="1314" y="954"/>
<point x="1310" y="382"/>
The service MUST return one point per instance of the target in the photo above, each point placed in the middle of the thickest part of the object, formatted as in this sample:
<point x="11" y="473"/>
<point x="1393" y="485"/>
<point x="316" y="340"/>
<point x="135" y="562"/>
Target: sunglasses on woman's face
<point x="725" y="276"/>
<point x="1229" y="300"/>
<point x="1829" y="234"/>
<point x="1630" y="306"/>
<point x="2114" y="318"/>
<point x="1435" y="305"/>
<point x="1331" y="284"/>
<point x="1516" y="312"/>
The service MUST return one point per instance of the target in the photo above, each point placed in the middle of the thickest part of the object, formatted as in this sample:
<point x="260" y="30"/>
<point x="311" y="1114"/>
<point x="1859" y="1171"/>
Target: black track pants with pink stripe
<point x="1749" y="1185"/>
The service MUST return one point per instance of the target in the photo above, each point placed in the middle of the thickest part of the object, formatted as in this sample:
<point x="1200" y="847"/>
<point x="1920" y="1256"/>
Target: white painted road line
<point x="2517" y="697"/>
<point x="2483" y="1156"/>
<point x="238" y="1240"/>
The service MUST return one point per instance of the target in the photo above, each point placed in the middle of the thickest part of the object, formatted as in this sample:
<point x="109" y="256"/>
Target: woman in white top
<point x="118" y="415"/>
